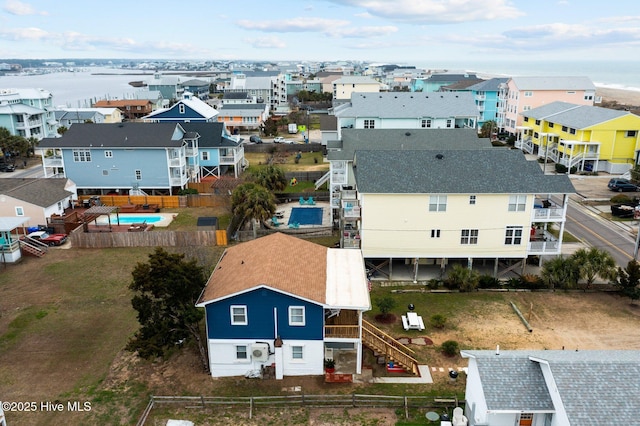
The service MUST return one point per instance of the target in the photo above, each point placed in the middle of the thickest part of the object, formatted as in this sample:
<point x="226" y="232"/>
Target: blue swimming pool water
<point x="138" y="218"/>
<point x="306" y="215"/>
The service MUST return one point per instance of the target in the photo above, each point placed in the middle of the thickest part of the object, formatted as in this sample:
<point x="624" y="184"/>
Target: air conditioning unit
<point x="260" y="352"/>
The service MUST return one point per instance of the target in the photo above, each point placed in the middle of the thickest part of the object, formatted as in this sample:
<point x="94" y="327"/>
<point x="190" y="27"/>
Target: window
<point x="369" y="124"/>
<point x="517" y="203"/>
<point x="297" y="352"/>
<point x="181" y="107"/>
<point x="138" y="174"/>
<point x="205" y="156"/>
<point x="472" y="199"/>
<point x="513" y="235"/>
<point x="108" y="154"/>
<point x="537" y="122"/>
<point x="588" y="97"/>
<point x="241" y="352"/>
<point x="550" y="125"/>
<point x="105" y="172"/>
<point x="19" y="211"/>
<point x="631" y="134"/>
<point x="526" y="119"/>
<point x="448" y="124"/>
<point x="438" y="203"/>
<point x="565" y="128"/>
<point x="435" y="233"/>
<point x="572" y="131"/>
<point x="239" y="315"/>
<point x="528" y="94"/>
<point x="81" y="155"/>
<point x="426" y="123"/>
<point x="469" y="236"/>
<point x="296" y="315"/>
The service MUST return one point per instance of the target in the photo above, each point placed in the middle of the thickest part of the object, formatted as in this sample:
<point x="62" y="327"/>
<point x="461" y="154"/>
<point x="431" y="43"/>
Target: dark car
<point x="255" y="139"/>
<point x="48" y="239"/>
<point x="6" y="167"/>
<point x="621" y="185"/>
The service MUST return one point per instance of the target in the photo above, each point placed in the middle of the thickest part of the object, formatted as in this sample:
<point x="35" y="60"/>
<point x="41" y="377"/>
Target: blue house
<point x="212" y="151"/>
<point x="283" y="302"/>
<point x="434" y="82"/>
<point x="485" y="95"/>
<point x="187" y="109"/>
<point x="124" y="157"/>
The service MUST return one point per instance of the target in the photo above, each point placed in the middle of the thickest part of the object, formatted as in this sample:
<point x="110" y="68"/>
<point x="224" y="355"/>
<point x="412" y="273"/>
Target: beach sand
<point x="623" y="97"/>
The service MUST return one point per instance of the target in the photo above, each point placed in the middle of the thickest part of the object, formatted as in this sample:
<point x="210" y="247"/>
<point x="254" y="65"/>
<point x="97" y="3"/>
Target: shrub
<point x="561" y="168"/>
<point x="449" y="348"/>
<point x="573" y="170"/>
<point x="433" y="283"/>
<point x="621" y="199"/>
<point x="488" y="281"/>
<point x="385" y="304"/>
<point x="531" y="281"/>
<point x="187" y="191"/>
<point x="438" y="321"/>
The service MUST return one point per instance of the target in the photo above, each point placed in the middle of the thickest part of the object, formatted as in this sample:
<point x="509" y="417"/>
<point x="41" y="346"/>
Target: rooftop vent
<point x="407" y="134"/>
<point x="439" y="156"/>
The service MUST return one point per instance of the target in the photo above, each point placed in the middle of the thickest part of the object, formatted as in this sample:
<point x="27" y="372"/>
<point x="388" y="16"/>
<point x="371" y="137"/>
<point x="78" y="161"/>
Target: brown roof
<point x="279" y="261"/>
<point x="121" y="103"/>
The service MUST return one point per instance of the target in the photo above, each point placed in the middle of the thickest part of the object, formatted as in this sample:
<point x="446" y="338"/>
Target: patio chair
<point x="302" y="201"/>
<point x="274" y="221"/>
<point x="311" y="201"/>
<point x="294" y="225"/>
<point x="459" y="418"/>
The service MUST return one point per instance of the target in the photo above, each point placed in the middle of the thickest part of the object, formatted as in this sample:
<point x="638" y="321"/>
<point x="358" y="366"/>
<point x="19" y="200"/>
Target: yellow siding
<point x="400" y="226"/>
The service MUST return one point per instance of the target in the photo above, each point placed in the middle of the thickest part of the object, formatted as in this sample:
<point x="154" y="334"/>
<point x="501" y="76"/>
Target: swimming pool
<point x="306" y="215"/>
<point x="158" y="219"/>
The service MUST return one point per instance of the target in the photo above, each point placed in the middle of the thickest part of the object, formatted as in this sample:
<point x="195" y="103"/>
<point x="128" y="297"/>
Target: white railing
<point x="178" y="181"/>
<point x="227" y="159"/>
<point x="543" y="247"/>
<point x="549" y="213"/>
<point x="53" y="161"/>
<point x="177" y="162"/>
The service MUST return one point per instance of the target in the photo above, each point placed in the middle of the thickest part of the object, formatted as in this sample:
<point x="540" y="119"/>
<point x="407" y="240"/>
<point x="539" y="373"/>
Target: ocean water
<point x="82" y="88"/>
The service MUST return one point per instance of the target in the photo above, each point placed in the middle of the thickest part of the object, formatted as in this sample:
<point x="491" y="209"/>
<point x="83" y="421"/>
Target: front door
<point x="526" y="419"/>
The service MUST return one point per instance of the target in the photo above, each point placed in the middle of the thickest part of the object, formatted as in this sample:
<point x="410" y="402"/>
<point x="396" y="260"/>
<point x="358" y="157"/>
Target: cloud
<point x="436" y="11"/>
<point x="293" y="25"/>
<point x="558" y="35"/>
<point x="29" y="34"/>
<point x="364" y="32"/>
<point x="15" y="7"/>
<point x="269" y="42"/>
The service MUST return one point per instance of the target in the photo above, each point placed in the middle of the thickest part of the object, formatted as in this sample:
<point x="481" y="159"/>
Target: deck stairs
<point x="323" y="179"/>
<point x="33" y="247"/>
<point x="382" y="343"/>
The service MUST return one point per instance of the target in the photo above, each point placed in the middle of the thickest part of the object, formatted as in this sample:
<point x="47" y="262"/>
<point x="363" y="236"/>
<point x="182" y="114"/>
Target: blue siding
<point x="174" y="115"/>
<point x="260" y="304"/>
<point x="120" y="168"/>
<point x="214" y="157"/>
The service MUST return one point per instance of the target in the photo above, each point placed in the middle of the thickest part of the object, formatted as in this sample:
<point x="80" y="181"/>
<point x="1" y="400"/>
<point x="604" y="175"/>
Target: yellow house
<point x="424" y="209"/>
<point x="588" y="138"/>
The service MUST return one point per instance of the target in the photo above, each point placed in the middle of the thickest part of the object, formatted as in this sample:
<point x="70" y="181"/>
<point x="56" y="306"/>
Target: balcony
<point x="178" y="181"/>
<point x="548" y="246"/>
<point x="191" y="152"/>
<point x="547" y="211"/>
<point x="177" y="162"/>
<point x="54" y="161"/>
<point x="228" y="159"/>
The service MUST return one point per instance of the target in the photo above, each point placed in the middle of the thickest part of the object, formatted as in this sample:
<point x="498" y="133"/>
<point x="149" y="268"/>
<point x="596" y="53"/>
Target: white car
<point x="279" y="139"/>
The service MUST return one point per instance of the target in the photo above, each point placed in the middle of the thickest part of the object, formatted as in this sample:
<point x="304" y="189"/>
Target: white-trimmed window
<point x="449" y="122"/>
<point x="630" y="133"/>
<point x="138" y="174"/>
<point x="438" y="203"/>
<point x="296" y="315"/>
<point x="297" y="352"/>
<point x="108" y="154"/>
<point x="204" y="155"/>
<point x="469" y="236"/>
<point x="517" y="203"/>
<point x="182" y="109"/>
<point x="513" y="235"/>
<point x="528" y="94"/>
<point x="472" y="200"/>
<point x="19" y="211"/>
<point x="369" y="124"/>
<point x="435" y="233"/>
<point x="239" y="315"/>
<point x="241" y="352"/>
<point x="426" y="123"/>
<point x="81" y="155"/>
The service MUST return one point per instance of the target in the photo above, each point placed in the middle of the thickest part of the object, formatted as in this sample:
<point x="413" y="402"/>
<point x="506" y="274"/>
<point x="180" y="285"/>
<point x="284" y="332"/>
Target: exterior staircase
<point x="323" y="179"/>
<point x="380" y="342"/>
<point x="34" y="248"/>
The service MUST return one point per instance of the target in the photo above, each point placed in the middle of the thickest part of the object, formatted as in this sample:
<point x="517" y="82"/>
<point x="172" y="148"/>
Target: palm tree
<point x="628" y="280"/>
<point x="594" y="262"/>
<point x="271" y="177"/>
<point x="462" y="278"/>
<point x="252" y="201"/>
<point x="560" y="272"/>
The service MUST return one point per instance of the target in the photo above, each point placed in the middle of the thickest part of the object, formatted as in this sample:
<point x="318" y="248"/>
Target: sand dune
<point x="624" y="97"/>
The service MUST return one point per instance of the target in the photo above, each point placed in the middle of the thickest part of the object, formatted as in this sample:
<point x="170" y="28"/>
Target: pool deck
<point x="283" y="213"/>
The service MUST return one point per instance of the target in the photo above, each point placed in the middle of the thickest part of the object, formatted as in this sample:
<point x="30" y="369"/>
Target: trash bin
<point x="453" y="375"/>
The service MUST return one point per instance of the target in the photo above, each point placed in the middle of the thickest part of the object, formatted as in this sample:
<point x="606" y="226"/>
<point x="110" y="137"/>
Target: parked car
<point x="255" y="139"/>
<point x="279" y="139"/>
<point x="6" y="167"/>
<point x="48" y="239"/>
<point x="621" y="185"/>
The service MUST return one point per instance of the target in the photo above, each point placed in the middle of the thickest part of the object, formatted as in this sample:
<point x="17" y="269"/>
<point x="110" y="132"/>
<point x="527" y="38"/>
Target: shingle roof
<point x="575" y="116"/>
<point x="451" y="77"/>
<point x="479" y="171"/>
<point x="409" y="105"/>
<point x="212" y="135"/>
<point x="418" y="139"/>
<point x="202" y="108"/>
<point x="117" y="135"/>
<point x="491" y="85"/>
<point x="553" y="83"/>
<point x="595" y="387"/>
<point x="39" y="192"/>
<point x="355" y="79"/>
<point x="275" y="261"/>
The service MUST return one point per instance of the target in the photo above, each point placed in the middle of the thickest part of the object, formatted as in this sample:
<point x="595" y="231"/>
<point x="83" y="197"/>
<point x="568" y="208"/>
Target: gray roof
<point x="491" y="85"/>
<point x="39" y="192"/>
<point x="75" y="115"/>
<point x="553" y="83"/>
<point x="410" y="139"/>
<point x="409" y="105"/>
<point x="117" y="135"/>
<point x="236" y="95"/>
<point x="472" y="171"/>
<point x="355" y="79"/>
<point x="596" y="387"/>
<point x="574" y="116"/>
<point x="212" y="135"/>
<point x="443" y="77"/>
<point x="260" y="107"/>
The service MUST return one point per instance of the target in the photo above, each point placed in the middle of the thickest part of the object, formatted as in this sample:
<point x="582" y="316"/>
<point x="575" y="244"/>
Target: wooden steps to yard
<point x="34" y="248"/>
<point x="382" y="343"/>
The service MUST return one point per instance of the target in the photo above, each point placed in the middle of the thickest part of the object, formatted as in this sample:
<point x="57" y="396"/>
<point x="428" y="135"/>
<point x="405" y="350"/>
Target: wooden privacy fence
<point x="147" y="239"/>
<point x="163" y="201"/>
<point x="306" y="401"/>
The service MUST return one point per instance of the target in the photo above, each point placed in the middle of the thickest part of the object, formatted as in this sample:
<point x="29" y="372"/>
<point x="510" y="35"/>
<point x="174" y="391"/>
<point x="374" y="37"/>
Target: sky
<point x="391" y="31"/>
